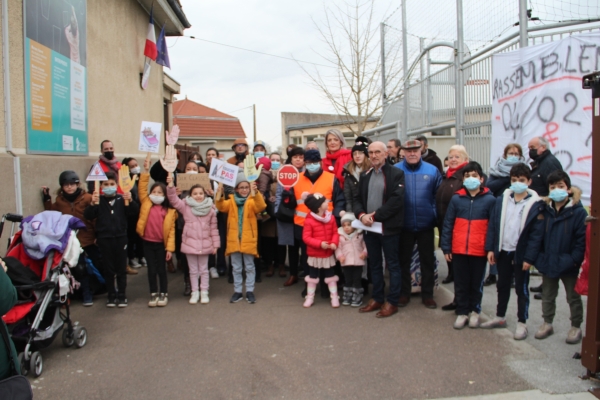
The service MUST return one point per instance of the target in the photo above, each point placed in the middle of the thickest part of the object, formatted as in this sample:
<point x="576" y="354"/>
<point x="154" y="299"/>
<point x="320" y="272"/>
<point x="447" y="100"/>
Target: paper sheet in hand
<point x="150" y="136"/>
<point x="376" y="227"/>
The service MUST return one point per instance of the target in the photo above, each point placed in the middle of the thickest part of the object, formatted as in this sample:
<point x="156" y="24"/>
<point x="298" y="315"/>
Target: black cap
<point x="68" y="177"/>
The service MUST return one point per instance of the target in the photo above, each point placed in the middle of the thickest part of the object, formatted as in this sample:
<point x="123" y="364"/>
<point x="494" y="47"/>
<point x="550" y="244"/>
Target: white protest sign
<point x="537" y="91"/>
<point x="223" y="172"/>
<point x="150" y="136"/>
<point x="96" y="173"/>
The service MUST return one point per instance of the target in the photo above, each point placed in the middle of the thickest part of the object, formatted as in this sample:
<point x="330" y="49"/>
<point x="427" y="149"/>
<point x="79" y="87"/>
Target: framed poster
<point x="55" y="76"/>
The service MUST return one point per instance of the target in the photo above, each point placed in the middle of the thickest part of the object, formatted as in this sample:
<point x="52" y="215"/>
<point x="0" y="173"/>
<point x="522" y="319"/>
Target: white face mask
<point x="155" y="199"/>
<point x="191" y="172"/>
<point x="135" y="170"/>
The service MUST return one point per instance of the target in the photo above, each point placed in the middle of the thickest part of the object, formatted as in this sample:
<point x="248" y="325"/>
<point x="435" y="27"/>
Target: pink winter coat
<point x="200" y="234"/>
<point x="351" y="247"/>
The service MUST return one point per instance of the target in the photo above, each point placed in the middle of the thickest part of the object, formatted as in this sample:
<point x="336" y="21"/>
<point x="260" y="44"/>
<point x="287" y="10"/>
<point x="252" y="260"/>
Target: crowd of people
<point x="353" y="214"/>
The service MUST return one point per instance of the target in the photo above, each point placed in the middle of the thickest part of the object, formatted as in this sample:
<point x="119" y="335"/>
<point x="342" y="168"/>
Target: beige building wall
<point x="223" y="145"/>
<point x="116" y="104"/>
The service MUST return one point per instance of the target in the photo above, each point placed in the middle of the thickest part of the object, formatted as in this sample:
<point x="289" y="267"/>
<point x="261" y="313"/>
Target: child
<point x="515" y="231"/>
<point x="242" y="232"/>
<point x="156" y="227"/>
<point x="463" y="242"/>
<point x="351" y="253"/>
<point x="321" y="236"/>
<point x="111" y="213"/>
<point x="200" y="236"/>
<point x="562" y="253"/>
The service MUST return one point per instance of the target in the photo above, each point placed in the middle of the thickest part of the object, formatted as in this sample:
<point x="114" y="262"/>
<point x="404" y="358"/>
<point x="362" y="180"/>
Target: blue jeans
<point x="377" y="243"/>
<point x="238" y="261"/>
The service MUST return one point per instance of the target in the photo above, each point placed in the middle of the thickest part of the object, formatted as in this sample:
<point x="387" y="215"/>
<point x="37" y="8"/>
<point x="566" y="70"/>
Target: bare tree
<point x="353" y="50"/>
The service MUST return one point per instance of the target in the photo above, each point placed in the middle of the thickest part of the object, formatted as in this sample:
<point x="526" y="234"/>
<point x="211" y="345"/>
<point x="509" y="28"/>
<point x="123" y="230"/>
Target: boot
<point x="187" y="289"/>
<point x="311" y="287"/>
<point x="270" y="270"/>
<point x="347" y="296"/>
<point x="333" y="290"/>
<point x="282" y="273"/>
<point x="357" y="297"/>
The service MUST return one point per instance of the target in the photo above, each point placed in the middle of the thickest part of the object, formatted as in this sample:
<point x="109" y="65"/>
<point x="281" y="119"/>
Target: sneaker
<point x="131" y="271"/>
<point x="122" y="303"/>
<point x="195" y="297"/>
<point x="497" y="322"/>
<point x="236" y="297"/>
<point x="214" y="273"/>
<point x="87" y="303"/>
<point x="143" y="262"/>
<point x="204" y="297"/>
<point x="347" y="296"/>
<point x="153" y="300"/>
<point x="461" y="321"/>
<point x="250" y="297"/>
<point x="545" y="330"/>
<point x="521" y="332"/>
<point x="474" y="320"/>
<point x="111" y="303"/>
<point x="162" y="300"/>
<point x="134" y="263"/>
<point x="574" y="335"/>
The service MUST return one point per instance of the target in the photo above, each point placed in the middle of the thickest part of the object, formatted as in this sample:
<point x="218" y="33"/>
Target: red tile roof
<point x="196" y="120"/>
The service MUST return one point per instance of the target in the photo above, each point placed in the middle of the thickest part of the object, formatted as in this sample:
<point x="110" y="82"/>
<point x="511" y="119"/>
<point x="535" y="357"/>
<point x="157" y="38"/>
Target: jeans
<point x="155" y="259"/>
<point x="198" y="265"/>
<point x="377" y="243"/>
<point x="425" y="242"/>
<point x="506" y="270"/>
<point x="549" y="293"/>
<point x="238" y="261"/>
<point x="469" y="272"/>
<point x="114" y="256"/>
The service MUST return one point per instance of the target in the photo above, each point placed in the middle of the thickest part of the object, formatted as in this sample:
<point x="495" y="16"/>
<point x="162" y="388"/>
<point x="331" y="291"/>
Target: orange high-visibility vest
<point x="323" y="185"/>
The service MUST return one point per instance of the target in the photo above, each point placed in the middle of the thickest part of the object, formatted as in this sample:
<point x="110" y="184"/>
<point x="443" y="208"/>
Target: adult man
<point x="240" y="148"/>
<point x="422" y="182"/>
<point x="544" y="163"/>
<point x="108" y="162"/>
<point x="429" y="155"/>
<point x="380" y="198"/>
<point x="393" y="151"/>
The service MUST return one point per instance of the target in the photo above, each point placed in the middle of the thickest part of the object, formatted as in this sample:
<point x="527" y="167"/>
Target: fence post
<point x="405" y="71"/>
<point x="383" y="83"/>
<point x="422" y="81"/>
<point x="523" y="35"/>
<point x="458" y="82"/>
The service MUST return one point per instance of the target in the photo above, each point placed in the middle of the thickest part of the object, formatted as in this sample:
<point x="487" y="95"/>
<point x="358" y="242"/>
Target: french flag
<point x="150" y="48"/>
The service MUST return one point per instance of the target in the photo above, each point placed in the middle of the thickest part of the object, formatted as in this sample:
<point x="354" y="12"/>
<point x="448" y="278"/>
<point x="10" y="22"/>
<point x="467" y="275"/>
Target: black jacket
<point x="540" y="169"/>
<point x="111" y="220"/>
<point x="350" y="189"/>
<point x="433" y="159"/>
<point x="391" y="213"/>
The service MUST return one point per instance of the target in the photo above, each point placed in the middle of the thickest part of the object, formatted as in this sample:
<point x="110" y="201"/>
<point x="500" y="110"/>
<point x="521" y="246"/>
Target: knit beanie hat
<point x="241" y="178"/>
<point x="314" y="201"/>
<point x="339" y="135"/>
<point x="312" y="156"/>
<point x="360" y="147"/>
<point x="348" y="217"/>
<point x="265" y="162"/>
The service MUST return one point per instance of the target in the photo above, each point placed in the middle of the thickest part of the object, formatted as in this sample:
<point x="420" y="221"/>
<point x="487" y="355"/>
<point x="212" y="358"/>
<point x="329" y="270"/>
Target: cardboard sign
<point x="186" y="181"/>
<point x="96" y="173"/>
<point x="223" y="172"/>
<point x="150" y="136"/>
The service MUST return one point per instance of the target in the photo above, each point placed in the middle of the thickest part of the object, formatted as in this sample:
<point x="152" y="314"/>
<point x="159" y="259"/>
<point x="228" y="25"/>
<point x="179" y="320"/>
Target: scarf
<point x="199" y="209"/>
<point x="357" y="171"/>
<point x="324" y="219"/>
<point x="452" y="171"/>
<point x="338" y="168"/>
<point x="240" y="202"/>
<point x="503" y="167"/>
<point x="112" y="164"/>
<point x="72" y="197"/>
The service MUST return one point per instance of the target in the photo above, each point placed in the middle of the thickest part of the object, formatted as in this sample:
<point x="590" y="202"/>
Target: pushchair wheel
<point x="23" y="364"/>
<point x="36" y="364"/>
<point x="80" y="337"/>
<point x="68" y="340"/>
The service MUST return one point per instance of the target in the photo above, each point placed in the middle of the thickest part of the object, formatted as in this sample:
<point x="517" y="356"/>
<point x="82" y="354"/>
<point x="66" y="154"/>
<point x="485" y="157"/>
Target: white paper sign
<point x="377" y="227"/>
<point x="537" y="91"/>
<point x="150" y="137"/>
<point x="223" y="172"/>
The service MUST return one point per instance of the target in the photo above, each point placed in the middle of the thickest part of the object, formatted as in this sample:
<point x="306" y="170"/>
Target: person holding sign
<point x="108" y="162"/>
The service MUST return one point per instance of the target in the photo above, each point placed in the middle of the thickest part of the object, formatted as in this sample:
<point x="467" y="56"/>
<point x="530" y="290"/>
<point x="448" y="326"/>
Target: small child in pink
<point x="351" y="253"/>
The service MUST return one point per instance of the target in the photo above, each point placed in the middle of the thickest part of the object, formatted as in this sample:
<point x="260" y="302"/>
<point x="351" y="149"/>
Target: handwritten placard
<point x="186" y="181"/>
<point x="223" y="172"/>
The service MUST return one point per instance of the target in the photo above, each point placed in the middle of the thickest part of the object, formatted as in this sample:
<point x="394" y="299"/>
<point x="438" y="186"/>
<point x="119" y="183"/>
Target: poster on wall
<point x="56" y="77"/>
<point x="537" y="91"/>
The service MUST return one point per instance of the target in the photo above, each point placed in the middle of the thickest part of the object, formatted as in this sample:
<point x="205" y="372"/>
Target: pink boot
<point x="332" y="283"/>
<point x="311" y="286"/>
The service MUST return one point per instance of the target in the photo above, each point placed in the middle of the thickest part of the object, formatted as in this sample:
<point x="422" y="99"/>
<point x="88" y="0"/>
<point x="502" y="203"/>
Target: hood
<point x="575" y="197"/>
<point x="463" y="192"/>
<point x="350" y="236"/>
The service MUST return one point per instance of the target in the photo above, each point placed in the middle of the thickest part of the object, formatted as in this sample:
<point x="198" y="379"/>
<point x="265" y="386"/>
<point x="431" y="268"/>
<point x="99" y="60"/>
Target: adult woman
<point x="499" y="179"/>
<point x="272" y="252"/>
<point x="337" y="154"/>
<point x="210" y="154"/>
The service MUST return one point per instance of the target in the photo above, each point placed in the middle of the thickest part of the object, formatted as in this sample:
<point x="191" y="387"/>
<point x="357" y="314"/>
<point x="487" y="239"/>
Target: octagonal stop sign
<point x="288" y="176"/>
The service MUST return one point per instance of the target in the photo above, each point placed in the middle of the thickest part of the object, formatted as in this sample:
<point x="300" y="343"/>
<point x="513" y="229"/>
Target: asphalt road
<point x="277" y="349"/>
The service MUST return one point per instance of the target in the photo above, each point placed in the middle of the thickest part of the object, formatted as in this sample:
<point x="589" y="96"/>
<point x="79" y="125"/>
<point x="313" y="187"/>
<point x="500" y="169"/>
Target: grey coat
<point x="285" y="230"/>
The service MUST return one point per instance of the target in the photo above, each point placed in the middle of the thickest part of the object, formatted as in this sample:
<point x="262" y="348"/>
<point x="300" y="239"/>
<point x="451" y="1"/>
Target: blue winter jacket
<point x="422" y="181"/>
<point x="564" y="239"/>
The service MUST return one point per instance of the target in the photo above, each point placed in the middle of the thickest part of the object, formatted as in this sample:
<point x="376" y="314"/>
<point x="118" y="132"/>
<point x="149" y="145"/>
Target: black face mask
<point x="109" y="155"/>
<point x="533" y="154"/>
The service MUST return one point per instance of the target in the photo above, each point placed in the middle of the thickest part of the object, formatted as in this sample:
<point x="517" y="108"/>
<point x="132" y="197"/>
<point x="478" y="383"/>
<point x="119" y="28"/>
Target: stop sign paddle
<point x="288" y="176"/>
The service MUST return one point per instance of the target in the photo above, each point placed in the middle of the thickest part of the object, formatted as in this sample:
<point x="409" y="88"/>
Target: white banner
<point x="537" y="91"/>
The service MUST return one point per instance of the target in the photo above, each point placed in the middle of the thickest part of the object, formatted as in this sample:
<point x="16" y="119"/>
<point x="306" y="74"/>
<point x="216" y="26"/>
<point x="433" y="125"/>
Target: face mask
<point x="312" y="168"/>
<point x="109" y="155"/>
<point x="109" y="191"/>
<point x="512" y="159"/>
<point x="156" y="199"/>
<point x="518" y="187"/>
<point x="259" y="154"/>
<point x="275" y="165"/>
<point x="558" y="195"/>
<point x="471" y="183"/>
<point x="533" y="154"/>
<point x="191" y="172"/>
<point x="135" y="170"/>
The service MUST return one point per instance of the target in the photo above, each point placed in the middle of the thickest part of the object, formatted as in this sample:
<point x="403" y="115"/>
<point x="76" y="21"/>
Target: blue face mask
<point x="312" y="168"/>
<point x="275" y="165"/>
<point x="109" y="190"/>
<point x="259" y="154"/>
<point x="558" y="195"/>
<point x="512" y="159"/>
<point x="518" y="187"/>
<point x="472" y="183"/>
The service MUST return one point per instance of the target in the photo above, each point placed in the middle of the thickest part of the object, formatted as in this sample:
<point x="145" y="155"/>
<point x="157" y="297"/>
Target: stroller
<point x="42" y="309"/>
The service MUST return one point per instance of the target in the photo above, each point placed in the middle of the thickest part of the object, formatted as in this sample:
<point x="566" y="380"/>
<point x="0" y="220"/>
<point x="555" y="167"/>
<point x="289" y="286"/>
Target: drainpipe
<point x="7" y="110"/>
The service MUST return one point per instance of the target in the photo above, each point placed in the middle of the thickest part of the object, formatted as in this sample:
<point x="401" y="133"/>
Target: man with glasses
<point x="380" y="198"/>
<point x="240" y="148"/>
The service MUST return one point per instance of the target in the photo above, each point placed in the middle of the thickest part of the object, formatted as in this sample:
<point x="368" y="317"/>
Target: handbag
<point x="16" y="387"/>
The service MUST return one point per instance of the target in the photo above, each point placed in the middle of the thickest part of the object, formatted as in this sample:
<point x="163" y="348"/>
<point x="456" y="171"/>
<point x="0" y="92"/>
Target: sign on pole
<point x="288" y="176"/>
<point x="223" y="172"/>
<point x="96" y="173"/>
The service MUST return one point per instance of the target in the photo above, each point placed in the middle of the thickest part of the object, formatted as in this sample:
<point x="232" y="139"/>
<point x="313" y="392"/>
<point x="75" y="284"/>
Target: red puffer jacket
<point x="315" y="232"/>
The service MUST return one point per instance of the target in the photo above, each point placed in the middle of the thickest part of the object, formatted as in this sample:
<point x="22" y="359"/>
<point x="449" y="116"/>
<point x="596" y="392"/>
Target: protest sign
<point x="150" y="136"/>
<point x="186" y="181"/>
<point x="223" y="172"/>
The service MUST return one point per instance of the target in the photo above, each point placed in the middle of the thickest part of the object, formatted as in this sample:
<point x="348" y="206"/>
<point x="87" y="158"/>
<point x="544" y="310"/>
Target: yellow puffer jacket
<point x="249" y="243"/>
<point x="146" y="205"/>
